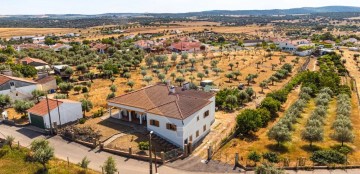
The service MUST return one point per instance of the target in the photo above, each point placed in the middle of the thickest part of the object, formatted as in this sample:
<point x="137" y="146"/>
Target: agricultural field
<point x="244" y="62"/>
<point x="10" y="32"/>
<point x="299" y="113"/>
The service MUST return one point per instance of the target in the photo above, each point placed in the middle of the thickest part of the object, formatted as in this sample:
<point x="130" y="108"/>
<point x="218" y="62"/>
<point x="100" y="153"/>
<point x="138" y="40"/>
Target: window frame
<point x="171" y="126"/>
<point x="155" y="123"/>
<point x="206" y="113"/>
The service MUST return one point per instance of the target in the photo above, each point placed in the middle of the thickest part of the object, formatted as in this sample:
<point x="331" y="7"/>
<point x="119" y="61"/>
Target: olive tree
<point x="42" y="152"/>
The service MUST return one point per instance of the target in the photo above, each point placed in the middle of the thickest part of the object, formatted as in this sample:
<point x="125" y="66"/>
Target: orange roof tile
<point x="158" y="100"/>
<point x="41" y="108"/>
<point x="4" y="79"/>
<point x="30" y="60"/>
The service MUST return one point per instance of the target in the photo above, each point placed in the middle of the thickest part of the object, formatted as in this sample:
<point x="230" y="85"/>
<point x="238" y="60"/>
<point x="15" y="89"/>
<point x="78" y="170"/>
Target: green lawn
<point x="17" y="161"/>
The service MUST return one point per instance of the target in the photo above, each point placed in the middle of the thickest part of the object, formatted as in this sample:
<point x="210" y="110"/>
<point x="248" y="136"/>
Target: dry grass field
<point x="10" y="32"/>
<point x="100" y="88"/>
<point x="93" y="33"/>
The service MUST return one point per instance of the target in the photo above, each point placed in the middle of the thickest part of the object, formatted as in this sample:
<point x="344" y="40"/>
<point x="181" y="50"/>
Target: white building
<point x="70" y="111"/>
<point x="17" y="88"/>
<point x="290" y="45"/>
<point x="178" y="115"/>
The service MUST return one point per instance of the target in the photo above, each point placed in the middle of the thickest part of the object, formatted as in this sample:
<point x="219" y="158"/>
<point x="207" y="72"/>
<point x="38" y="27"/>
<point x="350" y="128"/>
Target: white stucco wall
<point x="68" y="112"/>
<point x="24" y="92"/>
<point x="186" y="127"/>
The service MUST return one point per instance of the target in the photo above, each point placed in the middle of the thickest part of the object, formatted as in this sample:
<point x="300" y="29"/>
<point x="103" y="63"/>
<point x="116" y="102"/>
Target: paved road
<point x="75" y="152"/>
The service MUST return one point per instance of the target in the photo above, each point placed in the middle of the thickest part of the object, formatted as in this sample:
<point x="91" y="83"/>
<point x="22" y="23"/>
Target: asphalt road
<point x="75" y="152"/>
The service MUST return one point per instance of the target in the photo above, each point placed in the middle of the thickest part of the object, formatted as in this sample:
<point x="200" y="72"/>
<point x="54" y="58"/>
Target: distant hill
<point x="292" y="11"/>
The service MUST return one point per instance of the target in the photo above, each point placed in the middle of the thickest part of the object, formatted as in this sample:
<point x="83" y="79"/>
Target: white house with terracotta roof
<point x="17" y="88"/>
<point x="70" y="111"/>
<point x="37" y="63"/>
<point x="176" y="114"/>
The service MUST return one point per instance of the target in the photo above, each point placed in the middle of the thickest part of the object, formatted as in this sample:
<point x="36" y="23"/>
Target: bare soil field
<point x="93" y="33"/>
<point x="10" y="32"/>
<point x="196" y="23"/>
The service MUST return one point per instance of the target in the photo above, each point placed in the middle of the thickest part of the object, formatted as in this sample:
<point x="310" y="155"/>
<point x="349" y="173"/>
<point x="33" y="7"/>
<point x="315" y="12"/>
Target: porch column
<point x="129" y="115"/>
<point x="140" y="118"/>
<point x="120" y="116"/>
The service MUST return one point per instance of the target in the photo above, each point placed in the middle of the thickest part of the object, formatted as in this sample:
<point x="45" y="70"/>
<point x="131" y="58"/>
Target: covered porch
<point x="128" y="115"/>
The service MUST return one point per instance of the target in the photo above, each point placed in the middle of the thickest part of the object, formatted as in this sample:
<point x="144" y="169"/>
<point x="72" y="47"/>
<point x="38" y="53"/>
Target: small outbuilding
<point x="62" y="112"/>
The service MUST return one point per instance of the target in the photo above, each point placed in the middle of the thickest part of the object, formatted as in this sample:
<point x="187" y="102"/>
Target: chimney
<point x="172" y="89"/>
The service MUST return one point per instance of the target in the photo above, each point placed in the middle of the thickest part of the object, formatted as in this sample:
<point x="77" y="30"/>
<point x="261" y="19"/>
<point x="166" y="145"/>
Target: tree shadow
<point x="277" y="148"/>
<point x="309" y="148"/>
<point x="249" y="137"/>
<point x="341" y="149"/>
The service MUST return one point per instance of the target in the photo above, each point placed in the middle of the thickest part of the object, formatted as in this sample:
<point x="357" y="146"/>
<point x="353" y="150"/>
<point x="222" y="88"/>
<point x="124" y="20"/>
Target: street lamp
<point x="151" y="132"/>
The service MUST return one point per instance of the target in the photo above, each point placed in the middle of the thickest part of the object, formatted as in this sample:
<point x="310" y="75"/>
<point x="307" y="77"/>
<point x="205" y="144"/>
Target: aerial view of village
<point x="179" y="87"/>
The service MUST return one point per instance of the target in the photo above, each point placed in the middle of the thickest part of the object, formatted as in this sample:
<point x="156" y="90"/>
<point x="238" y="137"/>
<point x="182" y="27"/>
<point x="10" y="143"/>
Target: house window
<point x="204" y="128"/>
<point x="190" y="138"/>
<point x="197" y="133"/>
<point x="206" y="113"/>
<point x="198" y="118"/>
<point x="154" y="123"/>
<point x="12" y="84"/>
<point x="171" y="126"/>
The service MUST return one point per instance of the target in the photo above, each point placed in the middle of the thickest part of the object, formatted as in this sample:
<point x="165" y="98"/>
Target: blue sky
<point x="8" y="7"/>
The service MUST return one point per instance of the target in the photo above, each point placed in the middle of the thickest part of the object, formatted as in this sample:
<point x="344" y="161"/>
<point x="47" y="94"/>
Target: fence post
<point x="68" y="161"/>
<point x="209" y="153"/>
<point x="236" y="159"/>
<point x="162" y="156"/>
<point x="130" y="151"/>
<point x="18" y="144"/>
<point x="185" y="150"/>
<point x="190" y="148"/>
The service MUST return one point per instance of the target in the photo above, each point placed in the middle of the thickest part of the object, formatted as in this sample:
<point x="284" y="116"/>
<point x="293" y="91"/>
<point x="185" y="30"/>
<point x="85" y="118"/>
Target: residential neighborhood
<point x="129" y="88"/>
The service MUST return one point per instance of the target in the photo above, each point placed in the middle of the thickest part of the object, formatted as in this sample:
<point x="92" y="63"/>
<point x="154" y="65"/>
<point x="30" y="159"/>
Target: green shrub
<point x="144" y="145"/>
<point x="254" y="156"/>
<point x="325" y="157"/>
<point x="82" y="120"/>
<point x="271" y="157"/>
<point x="85" y="89"/>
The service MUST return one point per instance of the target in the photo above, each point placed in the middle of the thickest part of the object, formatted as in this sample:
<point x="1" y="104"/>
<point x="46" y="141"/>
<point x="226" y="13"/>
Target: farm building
<point x="176" y="114"/>
<point x="17" y="88"/>
<point x="69" y="110"/>
<point x="37" y="63"/>
<point x="47" y="83"/>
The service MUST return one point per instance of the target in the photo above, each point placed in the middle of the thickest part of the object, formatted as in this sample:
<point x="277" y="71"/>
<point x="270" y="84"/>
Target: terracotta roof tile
<point x="45" y="79"/>
<point x="30" y="60"/>
<point x="4" y="79"/>
<point x="158" y="100"/>
<point x="41" y="109"/>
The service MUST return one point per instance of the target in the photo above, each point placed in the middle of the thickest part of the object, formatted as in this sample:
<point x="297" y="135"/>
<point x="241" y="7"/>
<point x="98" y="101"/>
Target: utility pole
<point x="57" y="104"/>
<point x="48" y="107"/>
<point x="150" y="156"/>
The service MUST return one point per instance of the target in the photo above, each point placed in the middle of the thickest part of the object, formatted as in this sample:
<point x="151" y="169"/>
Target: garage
<point x="37" y="121"/>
